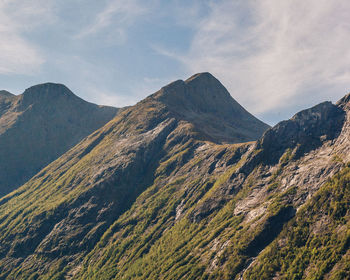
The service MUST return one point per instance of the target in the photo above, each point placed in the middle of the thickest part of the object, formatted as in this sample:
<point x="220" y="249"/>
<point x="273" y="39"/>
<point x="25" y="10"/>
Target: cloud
<point x="17" y="54"/>
<point x="118" y="14"/>
<point x="23" y="51"/>
<point x="273" y="54"/>
<point x="107" y="97"/>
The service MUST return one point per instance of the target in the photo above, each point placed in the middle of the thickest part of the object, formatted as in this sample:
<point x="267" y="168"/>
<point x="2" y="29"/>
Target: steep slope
<point x="58" y="216"/>
<point x="38" y="126"/>
<point x="150" y="196"/>
<point x="6" y="98"/>
<point x="315" y="244"/>
<point x="277" y="210"/>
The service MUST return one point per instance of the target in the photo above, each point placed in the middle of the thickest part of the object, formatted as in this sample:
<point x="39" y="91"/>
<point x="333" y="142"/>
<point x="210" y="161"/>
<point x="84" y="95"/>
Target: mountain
<point x="158" y="193"/>
<point x="40" y="125"/>
<point x="203" y="101"/>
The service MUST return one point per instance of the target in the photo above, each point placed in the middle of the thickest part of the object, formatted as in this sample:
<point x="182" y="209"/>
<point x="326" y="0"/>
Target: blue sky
<point x="275" y="57"/>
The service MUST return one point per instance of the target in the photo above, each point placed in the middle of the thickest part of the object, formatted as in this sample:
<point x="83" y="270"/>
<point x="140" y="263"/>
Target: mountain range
<point x="186" y="184"/>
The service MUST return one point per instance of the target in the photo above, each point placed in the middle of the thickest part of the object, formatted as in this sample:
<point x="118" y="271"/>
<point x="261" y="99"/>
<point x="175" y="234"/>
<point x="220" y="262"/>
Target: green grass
<point x="315" y="240"/>
<point x="154" y="237"/>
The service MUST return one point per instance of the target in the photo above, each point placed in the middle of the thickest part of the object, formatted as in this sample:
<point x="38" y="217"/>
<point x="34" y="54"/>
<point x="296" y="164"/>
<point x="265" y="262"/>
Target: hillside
<point x="158" y="193"/>
<point x="40" y="125"/>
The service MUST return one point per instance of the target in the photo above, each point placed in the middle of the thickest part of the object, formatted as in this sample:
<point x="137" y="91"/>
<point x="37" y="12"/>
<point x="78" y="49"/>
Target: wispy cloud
<point x="273" y="54"/>
<point x="17" y="54"/>
<point x="118" y="14"/>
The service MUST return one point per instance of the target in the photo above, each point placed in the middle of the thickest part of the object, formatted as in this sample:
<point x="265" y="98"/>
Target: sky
<point x="274" y="57"/>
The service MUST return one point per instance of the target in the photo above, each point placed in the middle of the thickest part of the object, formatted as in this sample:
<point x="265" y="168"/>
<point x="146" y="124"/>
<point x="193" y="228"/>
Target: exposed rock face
<point x="307" y="130"/>
<point x="38" y="126"/>
<point x="148" y="196"/>
<point x="5" y="100"/>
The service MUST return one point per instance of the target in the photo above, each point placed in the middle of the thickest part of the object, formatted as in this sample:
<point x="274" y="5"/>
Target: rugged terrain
<point x="38" y="126"/>
<point x="161" y="192"/>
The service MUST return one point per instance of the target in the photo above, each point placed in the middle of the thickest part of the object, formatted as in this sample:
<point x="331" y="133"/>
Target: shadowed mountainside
<point x="38" y="126"/>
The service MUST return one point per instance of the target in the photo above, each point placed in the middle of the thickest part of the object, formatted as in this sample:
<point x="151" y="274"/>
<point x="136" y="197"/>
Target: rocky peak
<point x="205" y="102"/>
<point x="200" y="93"/>
<point x="46" y="93"/>
<point x="47" y="88"/>
<point x="306" y="130"/>
<point x="5" y="93"/>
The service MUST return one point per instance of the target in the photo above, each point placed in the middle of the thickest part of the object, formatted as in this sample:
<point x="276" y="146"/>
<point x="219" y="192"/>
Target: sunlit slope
<point x="151" y="195"/>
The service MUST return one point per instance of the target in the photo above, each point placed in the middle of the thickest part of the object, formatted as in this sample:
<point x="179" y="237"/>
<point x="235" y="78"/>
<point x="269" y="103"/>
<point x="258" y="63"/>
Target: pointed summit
<point x="204" y="101"/>
<point x="201" y="76"/>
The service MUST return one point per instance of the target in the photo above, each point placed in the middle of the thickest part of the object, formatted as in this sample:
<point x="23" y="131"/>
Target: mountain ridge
<point x="149" y="196"/>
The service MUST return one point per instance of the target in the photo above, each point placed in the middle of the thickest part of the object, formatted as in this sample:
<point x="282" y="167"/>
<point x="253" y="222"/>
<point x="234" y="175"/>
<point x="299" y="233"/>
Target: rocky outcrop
<point x="306" y="131"/>
<point x="6" y="99"/>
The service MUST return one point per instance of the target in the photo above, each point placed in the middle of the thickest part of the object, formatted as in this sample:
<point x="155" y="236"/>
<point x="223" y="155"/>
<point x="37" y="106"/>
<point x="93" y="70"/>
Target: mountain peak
<point x="46" y="93"/>
<point x="205" y="102"/>
<point x="5" y="93"/>
<point x="201" y="92"/>
<point x="40" y="125"/>
<point x="305" y="131"/>
<point x="48" y="89"/>
<point x="203" y="76"/>
<point x="6" y="97"/>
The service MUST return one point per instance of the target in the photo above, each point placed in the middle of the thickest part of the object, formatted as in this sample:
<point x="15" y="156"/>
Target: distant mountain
<point x="160" y="192"/>
<point x="38" y="126"/>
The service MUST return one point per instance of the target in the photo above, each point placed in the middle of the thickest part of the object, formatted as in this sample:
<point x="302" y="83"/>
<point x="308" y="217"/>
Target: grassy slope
<point x="156" y="238"/>
<point x="183" y="223"/>
<point x="30" y="212"/>
<point x="316" y="243"/>
<point x="157" y="247"/>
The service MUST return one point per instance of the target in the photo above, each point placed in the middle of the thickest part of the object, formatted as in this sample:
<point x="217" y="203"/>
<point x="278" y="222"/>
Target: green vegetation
<point x="148" y="196"/>
<point x="156" y="239"/>
<point x="316" y="242"/>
